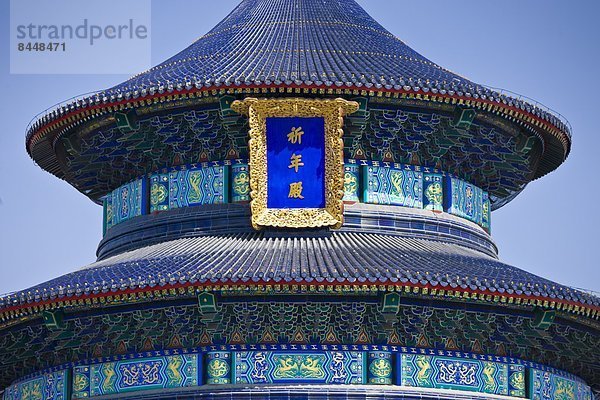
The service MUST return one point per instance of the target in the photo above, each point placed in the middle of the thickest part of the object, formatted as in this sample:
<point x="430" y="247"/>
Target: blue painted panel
<point x="344" y="367"/>
<point x="464" y="200"/>
<point x="544" y="385"/>
<point x="128" y="201"/>
<point x="433" y="192"/>
<point x="380" y="368"/>
<point x="197" y="186"/>
<point x="159" y="192"/>
<point x="295" y="162"/>
<point x="50" y="386"/>
<point x="351" y="182"/>
<point x="442" y="372"/>
<point x="218" y="368"/>
<point x="402" y="187"/>
<point x="516" y="380"/>
<point x="107" y="214"/>
<point x="240" y="183"/>
<point x="162" y="372"/>
<point x="486" y="212"/>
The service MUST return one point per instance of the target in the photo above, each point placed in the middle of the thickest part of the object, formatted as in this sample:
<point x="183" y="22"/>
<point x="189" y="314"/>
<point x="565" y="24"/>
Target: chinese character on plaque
<point x="296" y="161"/>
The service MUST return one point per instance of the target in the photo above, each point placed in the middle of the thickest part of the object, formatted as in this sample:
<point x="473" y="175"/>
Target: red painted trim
<point x="287" y="284"/>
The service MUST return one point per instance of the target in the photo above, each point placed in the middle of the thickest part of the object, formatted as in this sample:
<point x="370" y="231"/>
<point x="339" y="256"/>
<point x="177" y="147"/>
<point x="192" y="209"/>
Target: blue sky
<point x="545" y="49"/>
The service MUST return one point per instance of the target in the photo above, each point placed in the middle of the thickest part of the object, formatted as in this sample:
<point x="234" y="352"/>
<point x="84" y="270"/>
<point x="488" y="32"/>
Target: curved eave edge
<point x="15" y="310"/>
<point x="82" y="110"/>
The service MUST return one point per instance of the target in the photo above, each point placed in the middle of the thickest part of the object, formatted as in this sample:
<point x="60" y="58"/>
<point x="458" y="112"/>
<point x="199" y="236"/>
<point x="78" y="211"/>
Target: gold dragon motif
<point x="173" y="372"/>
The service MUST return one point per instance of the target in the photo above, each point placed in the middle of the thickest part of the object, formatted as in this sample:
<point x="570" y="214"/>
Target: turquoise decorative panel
<point x="129" y="201"/>
<point x="351" y="182"/>
<point x="51" y="386"/>
<point x="516" y="380"/>
<point x="464" y="200"/>
<point x="240" y="183"/>
<point x="454" y="373"/>
<point x="218" y="368"/>
<point x="162" y="372"/>
<point x="486" y="212"/>
<point x="159" y="192"/>
<point x="433" y="192"/>
<point x="383" y="185"/>
<point x="343" y="367"/>
<point x="544" y="385"/>
<point x="197" y="186"/>
<point x="367" y="181"/>
<point x="380" y="368"/>
<point x="107" y="213"/>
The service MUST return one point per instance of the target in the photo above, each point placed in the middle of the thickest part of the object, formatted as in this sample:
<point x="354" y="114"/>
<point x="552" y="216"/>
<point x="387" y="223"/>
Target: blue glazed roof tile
<point x="344" y="257"/>
<point x="332" y="43"/>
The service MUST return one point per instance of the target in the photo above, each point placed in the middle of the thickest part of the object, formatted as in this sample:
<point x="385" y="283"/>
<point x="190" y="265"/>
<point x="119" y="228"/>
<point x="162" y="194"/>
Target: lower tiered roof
<point x="436" y="254"/>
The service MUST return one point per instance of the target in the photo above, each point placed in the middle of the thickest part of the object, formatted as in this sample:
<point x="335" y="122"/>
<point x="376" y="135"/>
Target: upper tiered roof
<point x="330" y="43"/>
<point x="300" y="44"/>
<point x="333" y="42"/>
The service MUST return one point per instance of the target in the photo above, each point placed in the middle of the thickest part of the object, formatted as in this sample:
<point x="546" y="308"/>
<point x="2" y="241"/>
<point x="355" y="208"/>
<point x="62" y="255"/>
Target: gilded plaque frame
<point x="333" y="111"/>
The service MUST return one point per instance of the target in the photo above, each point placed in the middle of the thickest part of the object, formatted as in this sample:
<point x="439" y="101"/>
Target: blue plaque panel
<point x="129" y="201"/>
<point x="107" y="213"/>
<point x="295" y="162"/>
<point x="420" y="370"/>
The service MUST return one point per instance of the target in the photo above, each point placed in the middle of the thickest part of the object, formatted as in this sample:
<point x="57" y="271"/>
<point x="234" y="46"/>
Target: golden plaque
<point x="296" y="161"/>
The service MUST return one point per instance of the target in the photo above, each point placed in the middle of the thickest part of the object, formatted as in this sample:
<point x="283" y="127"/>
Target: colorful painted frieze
<point x="419" y="370"/>
<point x="196" y="186"/>
<point x="433" y="192"/>
<point x="240" y="183"/>
<point x="544" y="385"/>
<point x="464" y="200"/>
<point x="107" y="213"/>
<point x="380" y="367"/>
<point x="326" y="367"/>
<point x="163" y="372"/>
<point x="394" y="186"/>
<point x="159" y="192"/>
<point x="50" y="386"/>
<point x="370" y="182"/>
<point x="486" y="212"/>
<point x="129" y="201"/>
<point x="218" y="368"/>
<point x="351" y="182"/>
<point x="516" y="380"/>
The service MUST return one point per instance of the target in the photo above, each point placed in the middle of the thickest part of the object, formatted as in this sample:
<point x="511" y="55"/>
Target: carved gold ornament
<point x="332" y="111"/>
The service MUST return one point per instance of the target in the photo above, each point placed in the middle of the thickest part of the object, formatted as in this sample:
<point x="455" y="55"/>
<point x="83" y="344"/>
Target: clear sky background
<point x="546" y="49"/>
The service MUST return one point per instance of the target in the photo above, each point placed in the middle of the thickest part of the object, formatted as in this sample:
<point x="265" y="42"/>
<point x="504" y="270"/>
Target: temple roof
<point x="309" y="42"/>
<point x="263" y="46"/>
<point x="287" y="41"/>
<point x="378" y="246"/>
<point x="284" y="42"/>
<point x="341" y="258"/>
